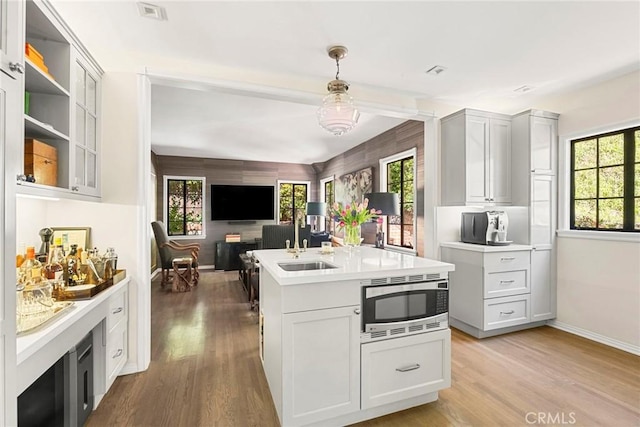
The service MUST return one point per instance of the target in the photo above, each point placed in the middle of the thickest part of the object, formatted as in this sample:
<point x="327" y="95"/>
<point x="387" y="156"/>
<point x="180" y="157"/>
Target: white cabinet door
<point x="11" y="136"/>
<point x="543" y="210"/>
<point x="11" y="45"/>
<point x="543" y="287"/>
<point x="86" y="128"/>
<point x="499" y="161"/>
<point x="544" y="148"/>
<point x="321" y="364"/>
<point x="477" y="157"/>
<point x="401" y="368"/>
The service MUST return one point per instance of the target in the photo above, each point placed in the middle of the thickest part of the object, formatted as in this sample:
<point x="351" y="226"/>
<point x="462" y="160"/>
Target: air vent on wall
<point x="148" y="10"/>
<point x="399" y="279"/>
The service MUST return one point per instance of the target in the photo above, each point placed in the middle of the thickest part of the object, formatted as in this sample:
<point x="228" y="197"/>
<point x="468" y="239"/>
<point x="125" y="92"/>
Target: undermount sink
<point x="305" y="266"/>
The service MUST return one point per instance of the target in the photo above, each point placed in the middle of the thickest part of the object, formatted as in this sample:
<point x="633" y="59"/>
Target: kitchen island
<point x="321" y="367"/>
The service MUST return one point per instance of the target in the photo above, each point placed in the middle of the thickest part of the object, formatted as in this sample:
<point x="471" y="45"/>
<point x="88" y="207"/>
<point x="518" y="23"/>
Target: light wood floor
<point x="205" y="371"/>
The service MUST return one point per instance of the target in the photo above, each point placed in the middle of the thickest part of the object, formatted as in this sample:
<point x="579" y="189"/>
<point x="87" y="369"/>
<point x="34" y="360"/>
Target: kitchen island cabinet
<point x="319" y="369"/>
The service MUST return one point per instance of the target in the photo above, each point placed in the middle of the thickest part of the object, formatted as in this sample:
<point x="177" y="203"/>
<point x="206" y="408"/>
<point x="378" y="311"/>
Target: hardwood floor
<point x="205" y="371"/>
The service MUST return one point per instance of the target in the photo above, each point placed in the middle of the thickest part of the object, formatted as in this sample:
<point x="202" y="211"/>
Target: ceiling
<point x="489" y="49"/>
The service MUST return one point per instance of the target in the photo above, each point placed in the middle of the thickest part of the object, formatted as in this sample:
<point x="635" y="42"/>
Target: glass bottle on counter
<point x="55" y="268"/>
<point x="72" y="265"/>
<point x="21" y="256"/>
<point x="31" y="268"/>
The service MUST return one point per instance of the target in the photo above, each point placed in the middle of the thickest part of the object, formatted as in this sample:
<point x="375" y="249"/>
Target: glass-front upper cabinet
<point x="86" y="136"/>
<point x="11" y="30"/>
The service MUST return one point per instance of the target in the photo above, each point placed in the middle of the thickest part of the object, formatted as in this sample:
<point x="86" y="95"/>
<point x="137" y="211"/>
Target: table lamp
<point x="316" y="209"/>
<point x="388" y="204"/>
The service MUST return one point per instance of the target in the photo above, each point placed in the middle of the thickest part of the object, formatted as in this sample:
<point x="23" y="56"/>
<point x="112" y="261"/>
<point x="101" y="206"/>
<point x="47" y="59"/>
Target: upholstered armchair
<point x="170" y="250"/>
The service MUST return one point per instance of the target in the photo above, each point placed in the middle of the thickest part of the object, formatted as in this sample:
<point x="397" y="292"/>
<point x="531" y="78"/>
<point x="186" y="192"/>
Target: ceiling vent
<point x="434" y="71"/>
<point x="524" y="89"/>
<point x="148" y="10"/>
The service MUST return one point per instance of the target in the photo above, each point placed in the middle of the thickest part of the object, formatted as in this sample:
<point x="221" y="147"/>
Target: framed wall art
<point x="353" y="186"/>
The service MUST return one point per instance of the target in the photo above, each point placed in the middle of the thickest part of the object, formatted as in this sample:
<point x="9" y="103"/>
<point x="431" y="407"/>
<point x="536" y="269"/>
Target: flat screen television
<point x="242" y="202"/>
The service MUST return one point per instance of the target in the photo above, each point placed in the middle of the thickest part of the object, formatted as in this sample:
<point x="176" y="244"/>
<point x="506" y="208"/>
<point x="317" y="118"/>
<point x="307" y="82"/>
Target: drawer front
<point x="117" y="310"/>
<point x="506" y="283"/>
<point x="116" y="353"/>
<point x="401" y="368"/>
<point x="507" y="311"/>
<point x="507" y="261"/>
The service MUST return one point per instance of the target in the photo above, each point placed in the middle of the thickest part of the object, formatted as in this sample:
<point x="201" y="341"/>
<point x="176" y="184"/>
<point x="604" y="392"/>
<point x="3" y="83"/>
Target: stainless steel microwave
<point x="404" y="308"/>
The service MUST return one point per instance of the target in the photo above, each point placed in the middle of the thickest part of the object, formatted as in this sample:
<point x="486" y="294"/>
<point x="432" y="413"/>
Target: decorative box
<point x="41" y="161"/>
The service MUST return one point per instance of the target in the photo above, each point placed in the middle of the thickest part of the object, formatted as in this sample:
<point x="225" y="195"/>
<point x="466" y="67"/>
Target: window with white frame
<point x="184" y="201"/>
<point x="397" y="175"/>
<point x="328" y="196"/>
<point x="605" y="181"/>
<point x="292" y="195"/>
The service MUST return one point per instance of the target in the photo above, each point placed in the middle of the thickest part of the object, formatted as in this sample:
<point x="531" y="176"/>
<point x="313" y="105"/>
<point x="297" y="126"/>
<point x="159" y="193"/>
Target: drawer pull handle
<point x="47" y="162"/>
<point x="409" y="368"/>
<point x="506" y="281"/>
<point x="118" y="354"/>
<point x="507" y="258"/>
<point x="506" y="313"/>
<point x="117" y="310"/>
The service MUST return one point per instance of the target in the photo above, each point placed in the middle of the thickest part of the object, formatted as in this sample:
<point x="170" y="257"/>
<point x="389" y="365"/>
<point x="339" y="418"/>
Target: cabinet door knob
<point x="75" y="188"/>
<point x="16" y="67"/>
<point x="356" y="310"/>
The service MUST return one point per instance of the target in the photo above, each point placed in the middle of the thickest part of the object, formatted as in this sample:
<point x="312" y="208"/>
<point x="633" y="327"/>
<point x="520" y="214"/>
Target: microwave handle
<point x="473" y="226"/>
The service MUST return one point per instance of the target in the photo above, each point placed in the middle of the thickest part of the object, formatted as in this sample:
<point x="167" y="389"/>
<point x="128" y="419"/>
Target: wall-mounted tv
<point x="242" y="202"/>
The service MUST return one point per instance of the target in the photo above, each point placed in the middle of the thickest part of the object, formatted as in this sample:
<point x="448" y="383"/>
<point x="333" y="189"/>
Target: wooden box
<point x="41" y="161"/>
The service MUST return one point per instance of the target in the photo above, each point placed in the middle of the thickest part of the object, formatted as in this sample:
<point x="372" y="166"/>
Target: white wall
<point x="599" y="289"/>
<point x="598" y="280"/>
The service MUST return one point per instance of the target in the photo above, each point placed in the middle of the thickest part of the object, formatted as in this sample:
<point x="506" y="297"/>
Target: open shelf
<point x="34" y="128"/>
<point x="37" y="81"/>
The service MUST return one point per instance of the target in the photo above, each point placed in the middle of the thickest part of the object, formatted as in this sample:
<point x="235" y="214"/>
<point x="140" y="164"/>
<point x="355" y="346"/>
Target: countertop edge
<point x="486" y="248"/>
<point x="29" y="344"/>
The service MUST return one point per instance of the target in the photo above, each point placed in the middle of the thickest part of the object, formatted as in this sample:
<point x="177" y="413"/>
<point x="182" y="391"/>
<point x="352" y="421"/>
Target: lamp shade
<point x="388" y="203"/>
<point x="317" y="208"/>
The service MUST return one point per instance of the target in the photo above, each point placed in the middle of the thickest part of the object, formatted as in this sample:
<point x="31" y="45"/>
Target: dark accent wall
<point x="403" y="137"/>
<point x="232" y="172"/>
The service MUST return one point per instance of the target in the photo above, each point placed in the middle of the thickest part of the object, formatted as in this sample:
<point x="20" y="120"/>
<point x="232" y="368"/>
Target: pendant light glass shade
<point x="338" y="114"/>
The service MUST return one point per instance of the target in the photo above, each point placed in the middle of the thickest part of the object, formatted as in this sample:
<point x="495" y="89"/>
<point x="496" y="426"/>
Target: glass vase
<point x="352" y="235"/>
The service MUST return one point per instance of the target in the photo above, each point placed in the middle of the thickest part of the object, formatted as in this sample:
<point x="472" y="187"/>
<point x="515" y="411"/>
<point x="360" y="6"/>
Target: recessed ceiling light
<point x="434" y="71"/>
<point x="524" y="89"/>
<point x="148" y="10"/>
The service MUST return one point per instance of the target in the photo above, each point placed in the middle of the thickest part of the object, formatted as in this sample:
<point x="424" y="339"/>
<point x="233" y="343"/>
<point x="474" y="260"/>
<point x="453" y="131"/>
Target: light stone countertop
<point x="358" y="263"/>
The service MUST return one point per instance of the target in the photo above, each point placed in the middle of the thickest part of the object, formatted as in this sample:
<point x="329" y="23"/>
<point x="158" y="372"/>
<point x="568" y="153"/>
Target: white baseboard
<point x="630" y="348"/>
<point x="155" y="273"/>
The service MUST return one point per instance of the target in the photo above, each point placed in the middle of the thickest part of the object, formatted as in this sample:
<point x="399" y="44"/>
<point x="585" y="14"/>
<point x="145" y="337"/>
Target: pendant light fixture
<point x="337" y="114"/>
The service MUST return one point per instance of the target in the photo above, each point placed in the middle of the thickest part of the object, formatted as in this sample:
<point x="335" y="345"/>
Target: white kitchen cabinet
<point x="64" y="104"/>
<point x="117" y="333"/>
<point x="402" y="368"/>
<point x="543" y="284"/>
<point x="11" y="102"/>
<point x="476" y="158"/>
<point x="86" y="128"/>
<point x="490" y="289"/>
<point x="535" y="150"/>
<point x="321" y="364"/>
